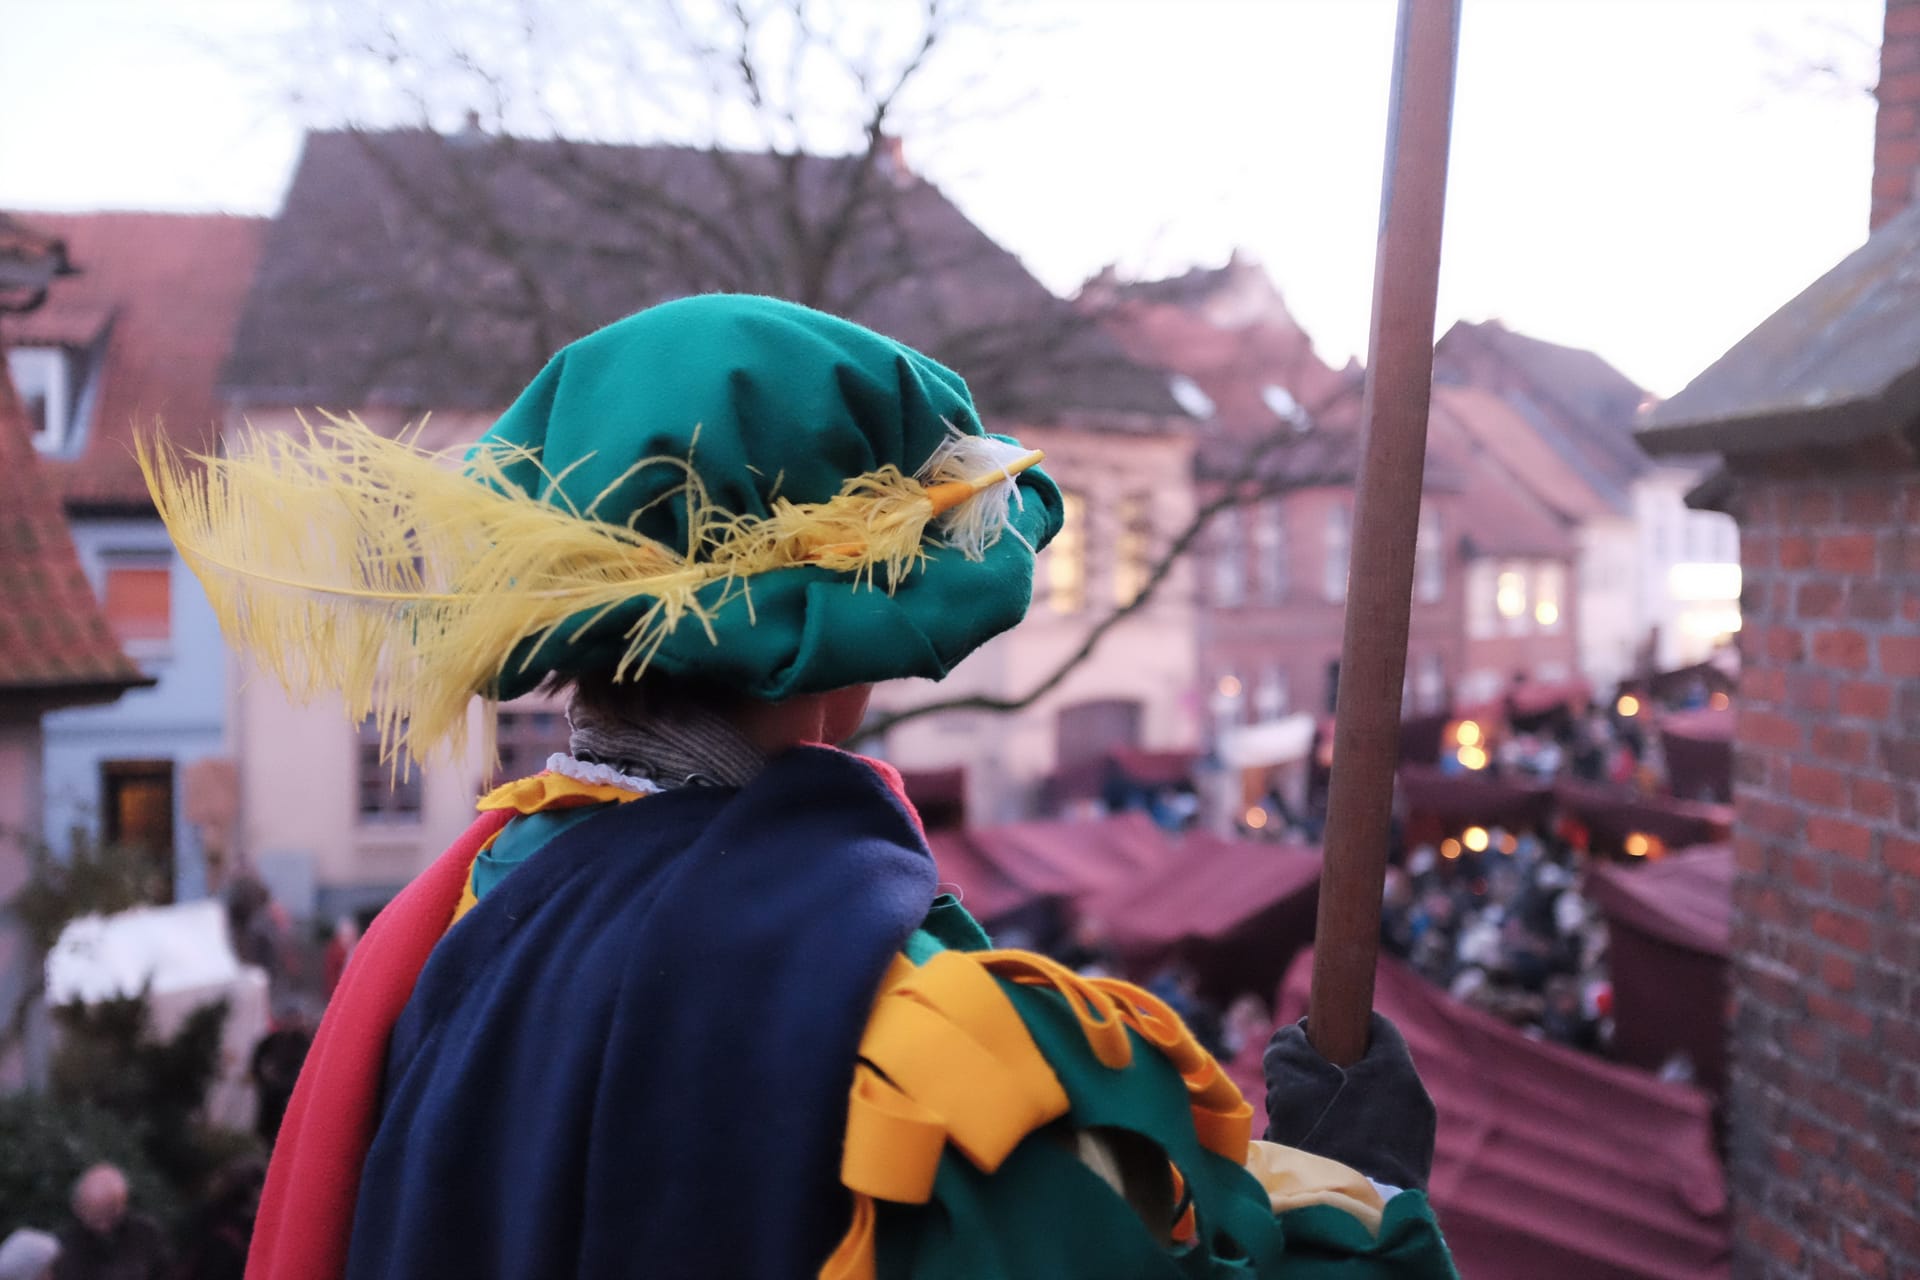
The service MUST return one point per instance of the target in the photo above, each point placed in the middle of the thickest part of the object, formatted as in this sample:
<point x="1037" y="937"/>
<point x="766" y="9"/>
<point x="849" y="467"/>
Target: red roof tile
<point x="55" y="648"/>
<point x="167" y="290"/>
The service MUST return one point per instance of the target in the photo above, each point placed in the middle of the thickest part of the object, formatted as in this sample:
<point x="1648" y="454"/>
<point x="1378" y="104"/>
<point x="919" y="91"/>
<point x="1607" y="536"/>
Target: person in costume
<point x="690" y="1002"/>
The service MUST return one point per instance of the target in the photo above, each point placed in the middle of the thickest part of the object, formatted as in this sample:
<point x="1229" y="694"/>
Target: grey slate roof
<point x="1837" y="365"/>
<point x="418" y="270"/>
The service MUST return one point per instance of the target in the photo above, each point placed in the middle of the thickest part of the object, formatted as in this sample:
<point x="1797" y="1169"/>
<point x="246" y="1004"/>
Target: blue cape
<point x="632" y="1057"/>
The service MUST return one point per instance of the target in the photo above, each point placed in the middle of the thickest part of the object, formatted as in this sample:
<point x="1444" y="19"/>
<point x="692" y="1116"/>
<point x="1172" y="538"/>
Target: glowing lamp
<point x="1256" y="817"/>
<point x="1473" y="757"/>
<point x="1450" y="849"/>
<point x="1475" y="838"/>
<point x="1468" y="734"/>
<point x="1638" y="845"/>
<point x="1229" y="686"/>
<point x="1628" y="706"/>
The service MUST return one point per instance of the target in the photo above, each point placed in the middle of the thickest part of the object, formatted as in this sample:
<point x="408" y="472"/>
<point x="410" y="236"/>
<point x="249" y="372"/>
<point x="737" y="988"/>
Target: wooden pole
<point x="1366" y="740"/>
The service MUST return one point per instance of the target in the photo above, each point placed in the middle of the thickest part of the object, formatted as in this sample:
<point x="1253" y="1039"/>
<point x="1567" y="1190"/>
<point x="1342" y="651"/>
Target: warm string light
<point x="1475" y="839"/>
<point x="1473" y="757"/>
<point x="1450" y="849"/>
<point x="1638" y="846"/>
<point x="1628" y="706"/>
<point x="1256" y="818"/>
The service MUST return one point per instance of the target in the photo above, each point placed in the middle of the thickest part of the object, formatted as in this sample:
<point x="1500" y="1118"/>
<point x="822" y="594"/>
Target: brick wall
<point x="1824" y="1114"/>
<point x="1896" y="132"/>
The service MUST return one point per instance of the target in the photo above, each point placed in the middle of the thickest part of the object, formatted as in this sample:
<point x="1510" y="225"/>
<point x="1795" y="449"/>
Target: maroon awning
<point x="1237" y="910"/>
<point x="1611" y="814"/>
<point x="1535" y="698"/>
<point x="984" y="891"/>
<point x="1549" y="1162"/>
<point x="1455" y="800"/>
<point x="1073" y="860"/>
<point x="1669" y="923"/>
<point x="1699" y="749"/>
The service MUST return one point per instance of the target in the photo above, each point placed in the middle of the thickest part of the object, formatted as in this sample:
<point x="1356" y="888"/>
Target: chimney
<point x="1896" y="130"/>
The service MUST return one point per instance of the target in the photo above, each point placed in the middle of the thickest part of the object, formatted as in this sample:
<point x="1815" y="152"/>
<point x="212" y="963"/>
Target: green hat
<point x="765" y="399"/>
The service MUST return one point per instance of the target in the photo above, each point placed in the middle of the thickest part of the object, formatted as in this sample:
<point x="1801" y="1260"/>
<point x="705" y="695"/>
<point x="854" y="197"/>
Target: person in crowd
<point x="274" y="1069"/>
<point x="107" y="1239"/>
<point x="27" y="1254"/>
<point x="215" y="1244"/>
<point x="689" y="1002"/>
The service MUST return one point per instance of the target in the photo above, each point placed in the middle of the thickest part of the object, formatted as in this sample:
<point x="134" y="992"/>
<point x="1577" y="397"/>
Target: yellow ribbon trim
<point x="1294" y="1179"/>
<point x="946" y="1059"/>
<point x="532" y="795"/>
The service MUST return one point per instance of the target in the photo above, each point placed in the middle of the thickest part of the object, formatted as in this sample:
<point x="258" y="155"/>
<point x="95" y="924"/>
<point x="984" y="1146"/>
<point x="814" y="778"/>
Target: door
<point x="137" y="803"/>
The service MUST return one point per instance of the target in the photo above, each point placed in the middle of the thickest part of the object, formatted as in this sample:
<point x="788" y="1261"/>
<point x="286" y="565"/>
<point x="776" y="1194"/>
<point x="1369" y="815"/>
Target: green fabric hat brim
<point x="764" y="399"/>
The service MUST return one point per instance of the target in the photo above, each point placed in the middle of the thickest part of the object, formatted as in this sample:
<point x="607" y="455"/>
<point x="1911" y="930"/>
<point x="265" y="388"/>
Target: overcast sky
<point x="1648" y="178"/>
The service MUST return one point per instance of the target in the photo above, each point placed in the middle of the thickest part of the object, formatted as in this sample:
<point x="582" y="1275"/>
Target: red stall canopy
<point x="1550" y="1162"/>
<point x="1699" y="751"/>
<point x="1455" y="800"/>
<point x="1669" y="922"/>
<point x="984" y="890"/>
<point x="1237" y="910"/>
<point x="1611" y="814"/>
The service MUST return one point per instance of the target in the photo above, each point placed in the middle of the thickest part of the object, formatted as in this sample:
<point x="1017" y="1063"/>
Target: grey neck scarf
<point x="689" y="746"/>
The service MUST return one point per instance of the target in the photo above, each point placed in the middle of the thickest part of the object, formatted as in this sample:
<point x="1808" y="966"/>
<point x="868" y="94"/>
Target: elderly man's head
<point x="100" y="1198"/>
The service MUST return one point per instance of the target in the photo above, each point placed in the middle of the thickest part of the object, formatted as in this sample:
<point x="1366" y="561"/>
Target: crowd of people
<point x="107" y="1237"/>
<point x="1507" y="930"/>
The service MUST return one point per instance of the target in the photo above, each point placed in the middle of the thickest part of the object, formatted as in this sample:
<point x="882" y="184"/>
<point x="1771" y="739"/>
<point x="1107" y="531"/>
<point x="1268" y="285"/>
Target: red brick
<point x="1841" y="746"/>
<point x="1784" y="644"/>
<point x="1870" y="798"/>
<point x="1853" y="887"/>
<point x="1872" y="504"/>
<point x="1841" y="647"/>
<point x="1900" y="656"/>
<point x="1756" y="552"/>
<point x="1809" y="691"/>
<point x="1901" y="855"/>
<point x="1763" y="686"/>
<point x="1807" y="1042"/>
<point x="1844" y="930"/>
<point x="1872" y="601"/>
<point x="1795" y="551"/>
<point x="1810" y="506"/>
<point x="1807" y="872"/>
<point x="1842" y="1017"/>
<point x="1835" y="835"/>
<point x="1814" y="1138"/>
<point x="1864" y="699"/>
<point x="1900" y="756"/>
<point x="1820" y="598"/>
<point x="1762" y="814"/>
<point x="1770" y="730"/>
<point x="1820" y="786"/>
<point x="1838" y="972"/>
<point x="1867" y="1262"/>
<point x="1845" y="553"/>
<point x="1773" y="1238"/>
<point x="1898" y="88"/>
<point x="1903" y="19"/>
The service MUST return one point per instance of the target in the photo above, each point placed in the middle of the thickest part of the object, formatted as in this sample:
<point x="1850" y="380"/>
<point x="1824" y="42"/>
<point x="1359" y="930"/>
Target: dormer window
<point x="44" y="378"/>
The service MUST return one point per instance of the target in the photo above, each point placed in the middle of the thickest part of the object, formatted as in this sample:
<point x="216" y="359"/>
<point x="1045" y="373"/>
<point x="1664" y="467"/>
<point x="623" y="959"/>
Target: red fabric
<point x="984" y="890"/>
<point x="1238" y="911"/>
<point x="306" y="1210"/>
<point x="1614" y="813"/>
<point x="1551" y="1162"/>
<point x="1457" y="800"/>
<point x="1669" y="924"/>
<point x="1073" y="860"/>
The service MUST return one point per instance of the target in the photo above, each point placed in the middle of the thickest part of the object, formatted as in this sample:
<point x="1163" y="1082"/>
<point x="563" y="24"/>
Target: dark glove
<point x="1374" y="1116"/>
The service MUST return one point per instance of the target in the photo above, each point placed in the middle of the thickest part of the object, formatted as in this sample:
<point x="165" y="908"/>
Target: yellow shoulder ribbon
<point x="946" y="1059"/>
<point x="532" y="795"/>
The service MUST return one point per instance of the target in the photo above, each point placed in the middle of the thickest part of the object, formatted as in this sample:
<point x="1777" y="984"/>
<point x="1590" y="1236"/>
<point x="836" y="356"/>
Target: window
<point x="138" y="600"/>
<point x="1229" y="559"/>
<point x="1549" y="590"/>
<point x="388" y="792"/>
<point x="1135" y="545"/>
<point x="1270" y="550"/>
<point x="1188" y="395"/>
<point x="137" y="815"/>
<point x="1482" y="616"/>
<point x="1430" y="683"/>
<point x="1270" y="695"/>
<point x="1510" y="597"/>
<point x="525" y="738"/>
<point x="1067" y="558"/>
<point x="1429" y="559"/>
<point x="44" y="378"/>
<point x="1339" y="548"/>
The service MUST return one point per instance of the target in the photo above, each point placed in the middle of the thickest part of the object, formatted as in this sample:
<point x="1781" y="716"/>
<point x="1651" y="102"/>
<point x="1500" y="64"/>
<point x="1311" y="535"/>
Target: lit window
<point x="1188" y="395"/>
<point x="387" y="793"/>
<point x="137" y="600"/>
<point x="1339" y="548"/>
<point x="1429" y="559"/>
<point x="1549" y="588"/>
<point x="1482" y="617"/>
<point x="1510" y="597"/>
<point x="44" y="378"/>
<point x="1130" y="566"/>
<point x="1067" y="558"/>
<point x="1270" y="550"/>
<point x="1229" y="559"/>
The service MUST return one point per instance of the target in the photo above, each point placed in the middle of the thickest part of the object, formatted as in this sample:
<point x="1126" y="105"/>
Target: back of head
<point x="100" y="1198"/>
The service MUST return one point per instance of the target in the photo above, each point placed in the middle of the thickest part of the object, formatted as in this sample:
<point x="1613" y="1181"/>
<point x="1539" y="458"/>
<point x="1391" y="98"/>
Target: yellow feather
<point x="351" y="562"/>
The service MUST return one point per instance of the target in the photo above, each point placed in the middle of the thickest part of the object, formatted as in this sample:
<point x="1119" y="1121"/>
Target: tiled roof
<point x="378" y="284"/>
<point x="157" y="296"/>
<point x="1579" y="404"/>
<point x="55" y="648"/>
<point x="1472" y="422"/>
